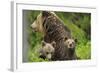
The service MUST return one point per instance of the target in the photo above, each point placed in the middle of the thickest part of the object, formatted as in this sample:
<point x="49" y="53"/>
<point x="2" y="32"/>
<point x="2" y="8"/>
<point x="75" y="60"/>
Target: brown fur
<point x="71" y="44"/>
<point x="47" y="50"/>
<point x="55" y="31"/>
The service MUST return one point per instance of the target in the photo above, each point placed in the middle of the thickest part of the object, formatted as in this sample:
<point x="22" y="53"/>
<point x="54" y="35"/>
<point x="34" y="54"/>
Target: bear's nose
<point x="42" y="56"/>
<point x="70" y="45"/>
<point x="31" y="26"/>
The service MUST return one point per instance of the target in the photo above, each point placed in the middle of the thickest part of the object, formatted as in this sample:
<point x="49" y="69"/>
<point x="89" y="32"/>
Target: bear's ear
<point x="75" y="40"/>
<point x="45" y="13"/>
<point x="53" y="44"/>
<point x="43" y="43"/>
<point x="65" y="38"/>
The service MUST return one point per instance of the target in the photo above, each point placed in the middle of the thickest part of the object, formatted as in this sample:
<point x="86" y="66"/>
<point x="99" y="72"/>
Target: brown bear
<point x="53" y="29"/>
<point x="71" y="44"/>
<point x="47" y="50"/>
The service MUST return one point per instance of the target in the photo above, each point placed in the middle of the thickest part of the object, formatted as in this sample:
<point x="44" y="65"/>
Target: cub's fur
<point x="47" y="50"/>
<point x="71" y="44"/>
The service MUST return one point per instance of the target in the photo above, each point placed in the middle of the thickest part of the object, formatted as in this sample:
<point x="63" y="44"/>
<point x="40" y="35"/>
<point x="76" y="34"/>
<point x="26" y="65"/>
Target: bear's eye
<point x="51" y="52"/>
<point x="47" y="52"/>
<point x="72" y="42"/>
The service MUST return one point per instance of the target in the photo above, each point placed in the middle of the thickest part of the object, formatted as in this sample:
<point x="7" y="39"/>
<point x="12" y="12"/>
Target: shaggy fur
<point x="71" y="44"/>
<point x="56" y="31"/>
<point x="54" y="28"/>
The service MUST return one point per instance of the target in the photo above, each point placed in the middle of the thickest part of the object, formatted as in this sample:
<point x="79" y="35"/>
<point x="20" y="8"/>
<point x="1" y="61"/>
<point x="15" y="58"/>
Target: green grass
<point x="84" y="50"/>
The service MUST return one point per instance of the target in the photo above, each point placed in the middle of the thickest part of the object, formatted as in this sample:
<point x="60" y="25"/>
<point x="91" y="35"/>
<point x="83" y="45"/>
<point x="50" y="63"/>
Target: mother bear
<point x="53" y="29"/>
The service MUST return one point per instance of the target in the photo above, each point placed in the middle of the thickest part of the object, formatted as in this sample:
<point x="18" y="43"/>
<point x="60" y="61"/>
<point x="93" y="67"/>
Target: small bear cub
<point x="70" y="44"/>
<point x="47" y="50"/>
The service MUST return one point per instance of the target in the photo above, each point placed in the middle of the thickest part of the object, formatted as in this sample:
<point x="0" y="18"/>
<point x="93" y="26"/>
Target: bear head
<point x="37" y="25"/>
<point x="70" y="43"/>
<point x="47" y="50"/>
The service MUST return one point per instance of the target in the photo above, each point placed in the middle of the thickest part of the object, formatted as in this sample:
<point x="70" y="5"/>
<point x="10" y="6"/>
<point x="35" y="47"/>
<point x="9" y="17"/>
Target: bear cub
<point x="47" y="50"/>
<point x="70" y="45"/>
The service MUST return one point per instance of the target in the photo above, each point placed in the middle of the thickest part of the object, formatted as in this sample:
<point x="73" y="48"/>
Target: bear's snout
<point x="70" y="45"/>
<point x="33" y="28"/>
<point x="42" y="56"/>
